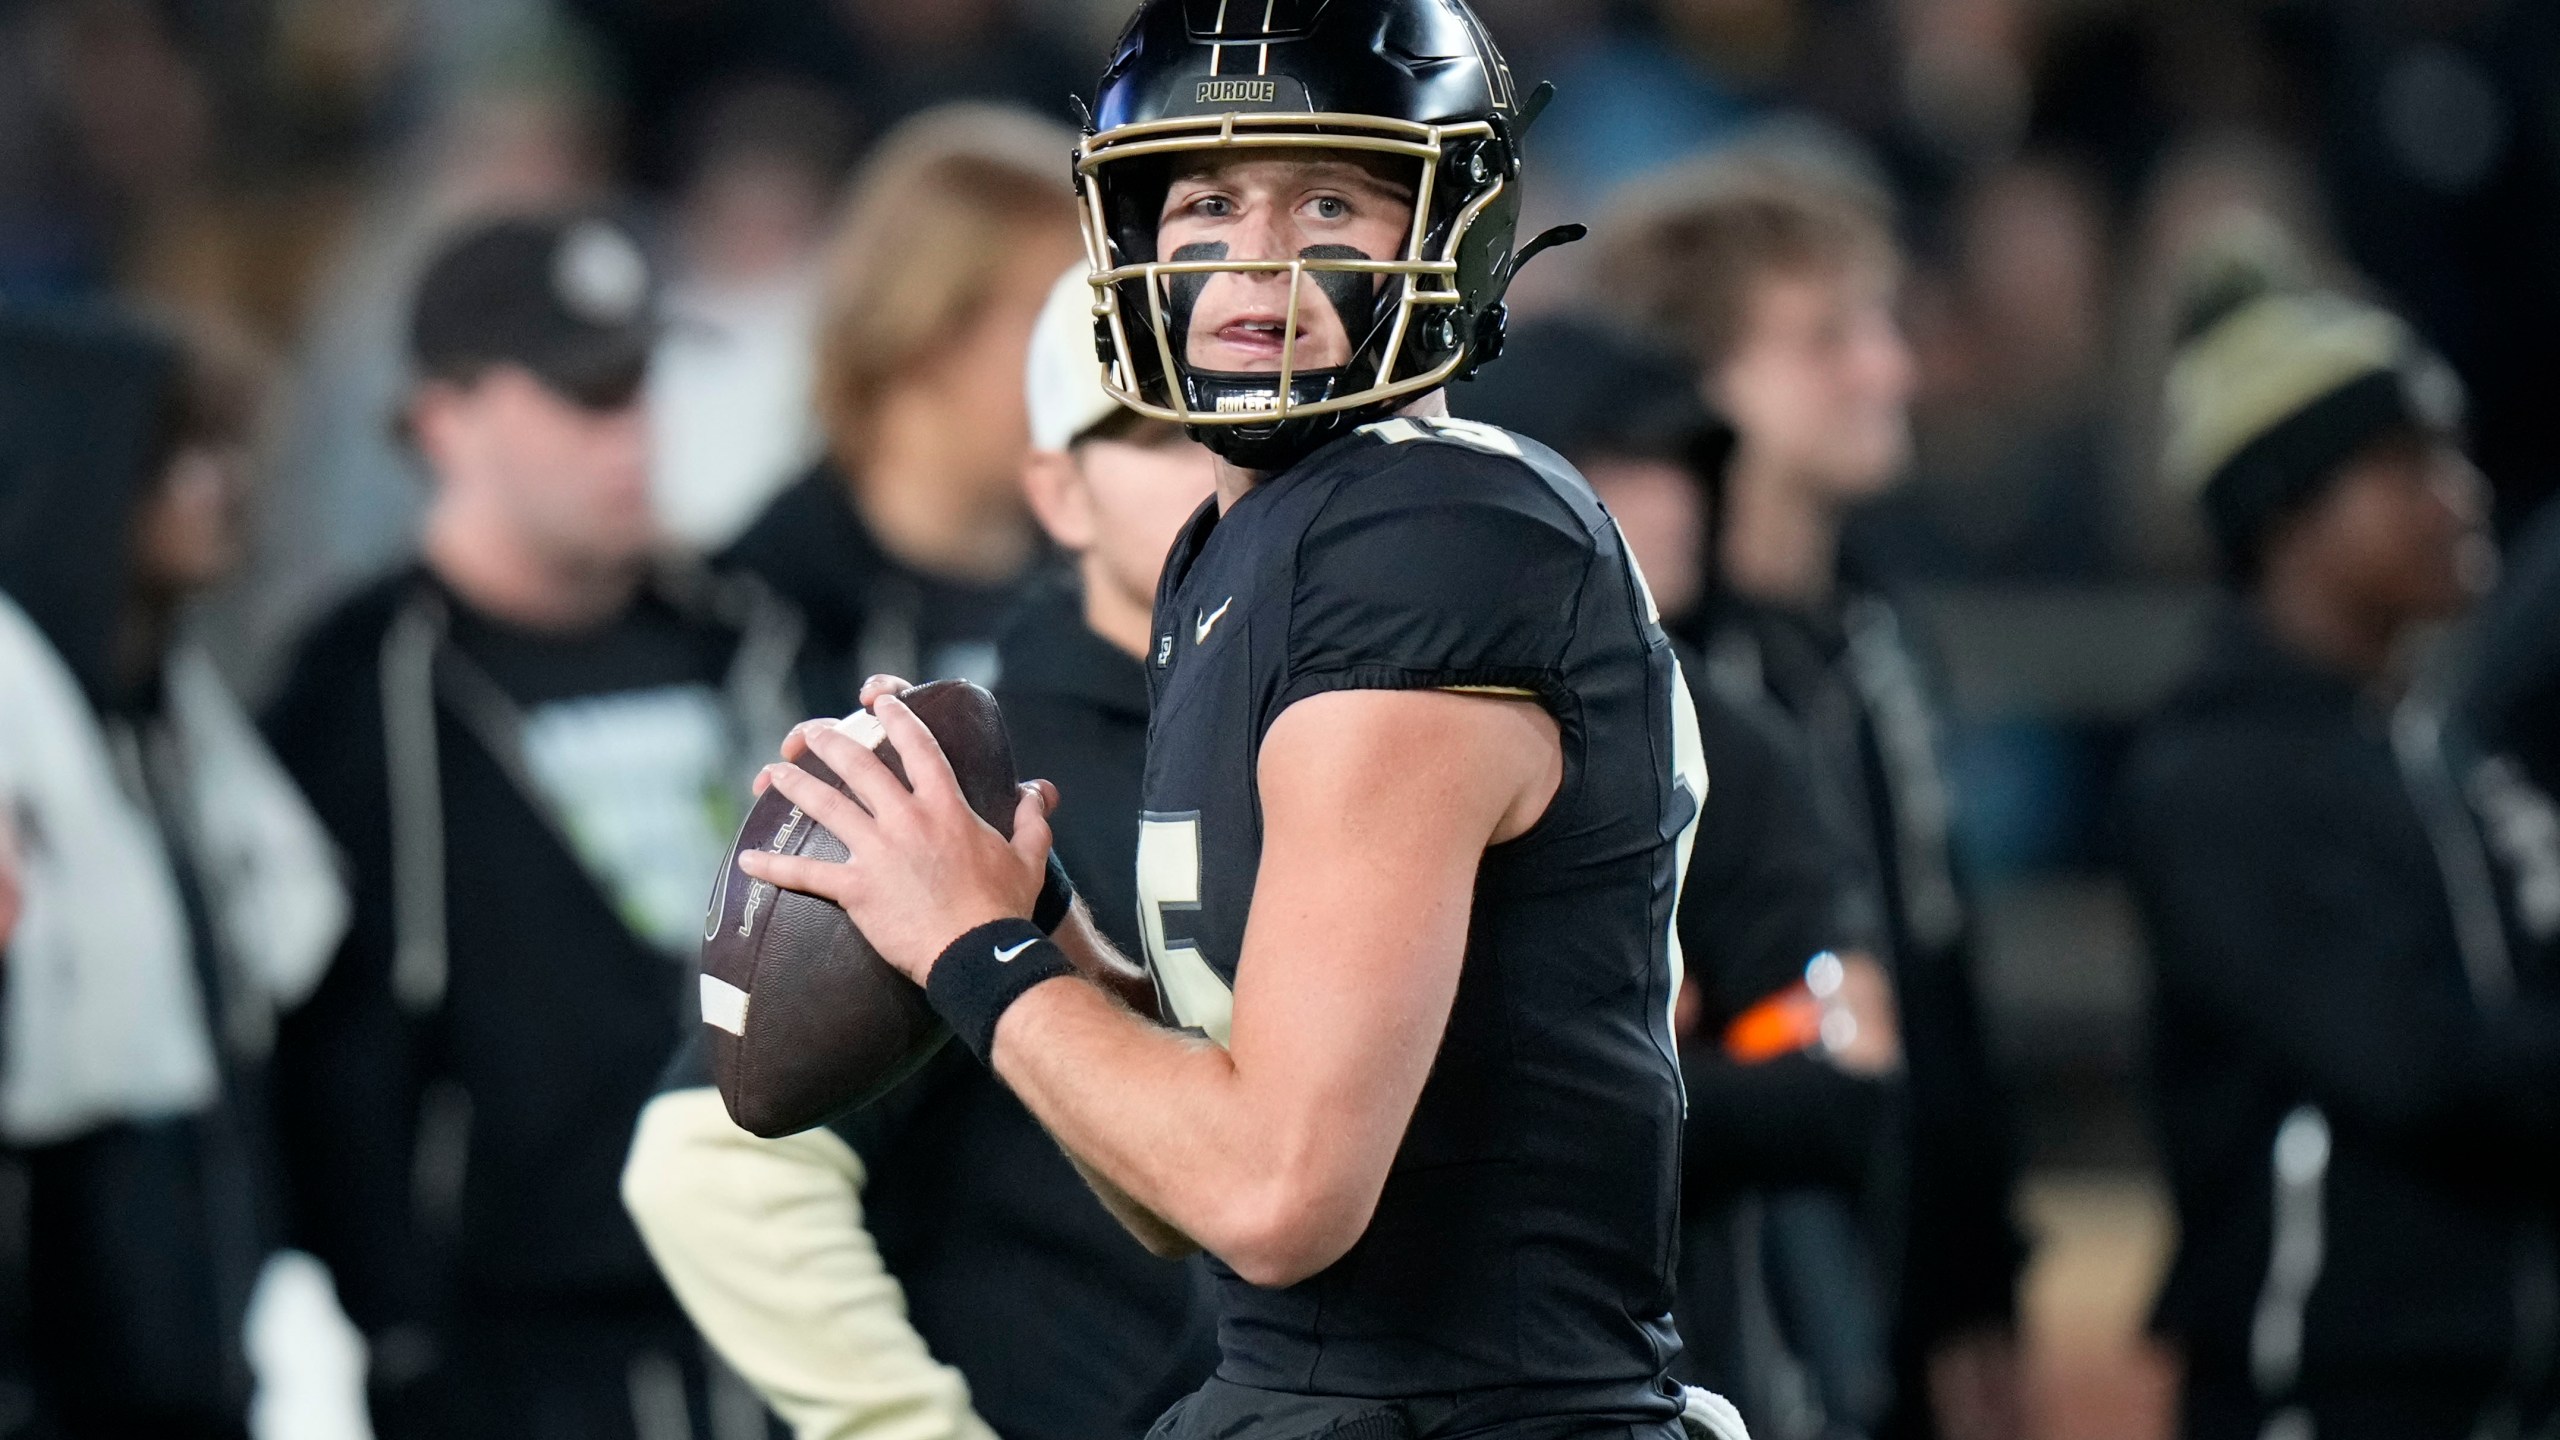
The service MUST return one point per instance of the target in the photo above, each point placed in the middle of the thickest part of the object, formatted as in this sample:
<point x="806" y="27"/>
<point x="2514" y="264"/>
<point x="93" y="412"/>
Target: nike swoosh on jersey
<point x="1209" y="622"/>
<point x="1008" y="956"/>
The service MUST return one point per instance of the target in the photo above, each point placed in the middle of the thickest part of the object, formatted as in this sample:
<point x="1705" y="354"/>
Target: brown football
<point x="805" y="1020"/>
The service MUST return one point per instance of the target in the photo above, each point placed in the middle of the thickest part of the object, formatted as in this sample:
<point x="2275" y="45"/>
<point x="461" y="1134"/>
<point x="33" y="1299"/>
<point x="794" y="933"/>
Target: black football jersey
<point x="1525" y="1239"/>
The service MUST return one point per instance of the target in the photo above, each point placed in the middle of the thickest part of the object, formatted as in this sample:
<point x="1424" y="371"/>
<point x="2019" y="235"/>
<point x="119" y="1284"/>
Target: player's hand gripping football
<point x="924" y="869"/>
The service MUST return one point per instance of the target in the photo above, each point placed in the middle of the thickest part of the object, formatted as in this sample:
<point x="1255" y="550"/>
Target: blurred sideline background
<point x="280" y="165"/>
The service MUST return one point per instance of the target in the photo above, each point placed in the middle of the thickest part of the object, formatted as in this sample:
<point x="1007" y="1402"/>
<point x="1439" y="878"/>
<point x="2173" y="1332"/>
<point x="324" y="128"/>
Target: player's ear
<point x="1053" y="481"/>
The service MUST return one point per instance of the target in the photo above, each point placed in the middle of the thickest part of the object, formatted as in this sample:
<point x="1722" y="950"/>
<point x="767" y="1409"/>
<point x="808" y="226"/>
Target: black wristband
<point x="982" y="973"/>
<point x="1057" y="897"/>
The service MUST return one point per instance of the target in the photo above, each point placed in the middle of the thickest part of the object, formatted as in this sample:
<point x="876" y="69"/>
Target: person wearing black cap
<point x="530" y="747"/>
<point x="1779" y="1306"/>
<point x="2358" y="1079"/>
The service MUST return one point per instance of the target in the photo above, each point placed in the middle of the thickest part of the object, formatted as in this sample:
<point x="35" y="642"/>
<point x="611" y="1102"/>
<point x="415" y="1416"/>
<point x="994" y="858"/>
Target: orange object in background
<point x="1781" y="1025"/>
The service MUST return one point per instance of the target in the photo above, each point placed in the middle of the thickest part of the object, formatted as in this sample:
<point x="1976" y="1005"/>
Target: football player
<point x="1421" y="776"/>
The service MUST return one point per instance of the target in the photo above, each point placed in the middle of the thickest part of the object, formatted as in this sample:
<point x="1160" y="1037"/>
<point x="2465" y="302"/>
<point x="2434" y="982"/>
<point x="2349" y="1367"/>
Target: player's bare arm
<point x="1272" y="1152"/>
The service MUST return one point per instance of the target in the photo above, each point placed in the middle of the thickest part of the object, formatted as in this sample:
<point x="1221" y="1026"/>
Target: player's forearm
<point x="1100" y="962"/>
<point x="1168" y="1119"/>
<point x="1150" y="1230"/>
<point x="1139" y="1103"/>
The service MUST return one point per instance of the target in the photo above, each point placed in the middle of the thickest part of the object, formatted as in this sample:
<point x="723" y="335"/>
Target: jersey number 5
<point x="1168" y="909"/>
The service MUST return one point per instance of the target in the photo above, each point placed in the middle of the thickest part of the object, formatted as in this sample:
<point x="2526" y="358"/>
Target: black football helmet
<point x="1417" y="80"/>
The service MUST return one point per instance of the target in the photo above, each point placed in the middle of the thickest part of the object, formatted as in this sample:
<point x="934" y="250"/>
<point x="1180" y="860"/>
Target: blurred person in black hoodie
<point x="793" y="1254"/>
<point x="2359" y="1079"/>
<point x="530" y="746"/>
<point x="905" y="546"/>
<point x="177" y="892"/>
<point x="1780" y="1307"/>
<point x="1777" y="273"/>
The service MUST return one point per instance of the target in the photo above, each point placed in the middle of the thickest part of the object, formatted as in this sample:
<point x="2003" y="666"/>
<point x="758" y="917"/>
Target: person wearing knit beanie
<point x="2276" y="386"/>
<point x="2352" y="1074"/>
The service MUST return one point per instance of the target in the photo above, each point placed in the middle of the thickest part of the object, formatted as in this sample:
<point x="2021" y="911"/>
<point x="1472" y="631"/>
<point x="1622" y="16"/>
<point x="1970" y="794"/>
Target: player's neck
<point x="500" y="573"/>
<point x="1781" y="540"/>
<point x="1235" y="482"/>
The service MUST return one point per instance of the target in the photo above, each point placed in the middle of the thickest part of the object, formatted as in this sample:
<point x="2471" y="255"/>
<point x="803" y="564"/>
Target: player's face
<point x="572" y="482"/>
<point x="1278" y="205"/>
<point x="1137" y="497"/>
<point x="1820" y="385"/>
<point x="2400" y="531"/>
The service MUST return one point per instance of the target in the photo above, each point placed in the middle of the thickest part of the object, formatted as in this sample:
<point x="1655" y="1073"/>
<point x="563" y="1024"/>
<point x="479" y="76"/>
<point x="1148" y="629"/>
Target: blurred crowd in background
<point x="275" y="164"/>
<point x="269" y="177"/>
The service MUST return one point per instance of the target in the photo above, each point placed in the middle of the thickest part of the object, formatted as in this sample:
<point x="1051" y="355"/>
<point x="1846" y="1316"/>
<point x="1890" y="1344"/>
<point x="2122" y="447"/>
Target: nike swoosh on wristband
<point x="1209" y="622"/>
<point x="1007" y="957"/>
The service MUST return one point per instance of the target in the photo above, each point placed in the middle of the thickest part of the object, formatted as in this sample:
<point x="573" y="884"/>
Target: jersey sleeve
<point x="1447" y="568"/>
